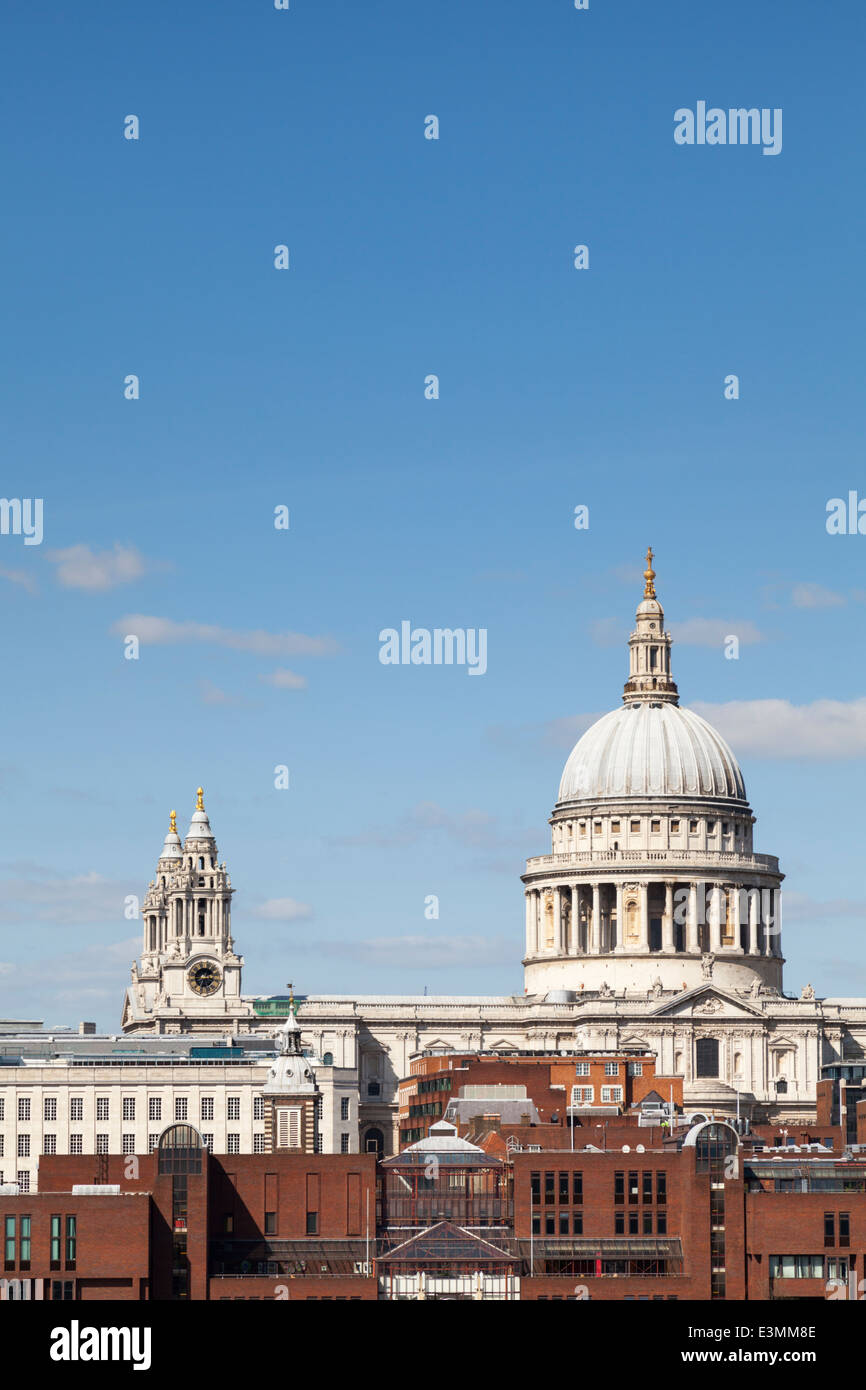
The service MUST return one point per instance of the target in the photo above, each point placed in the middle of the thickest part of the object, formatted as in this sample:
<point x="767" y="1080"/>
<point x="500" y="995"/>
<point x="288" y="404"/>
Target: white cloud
<point x="816" y="596"/>
<point x="284" y="680"/>
<point x="422" y="952"/>
<point x="712" y="632"/>
<point x="38" y="894"/>
<point x="20" y="577"/>
<point x="79" y="567"/>
<point x="213" y="695"/>
<point x="168" y="632"/>
<point x="282" y="910"/>
<point x="779" y="729"/>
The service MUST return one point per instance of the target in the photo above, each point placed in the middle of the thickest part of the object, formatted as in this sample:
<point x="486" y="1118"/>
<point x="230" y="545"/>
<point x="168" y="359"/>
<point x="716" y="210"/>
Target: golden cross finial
<point x="199" y="805"/>
<point x="649" y="575"/>
<point x="172" y="823"/>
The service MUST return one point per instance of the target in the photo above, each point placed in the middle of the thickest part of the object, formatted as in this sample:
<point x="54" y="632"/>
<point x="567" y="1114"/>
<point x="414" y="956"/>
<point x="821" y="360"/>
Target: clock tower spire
<point x="189" y="978"/>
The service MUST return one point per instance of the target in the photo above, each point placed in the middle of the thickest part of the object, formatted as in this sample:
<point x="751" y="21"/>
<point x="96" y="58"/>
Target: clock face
<point x="204" y="978"/>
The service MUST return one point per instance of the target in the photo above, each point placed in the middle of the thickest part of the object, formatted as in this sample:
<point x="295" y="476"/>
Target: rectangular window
<point x="582" y="1095"/>
<point x="49" y="1144"/>
<point x="564" y="1223"/>
<point x="619" y="1188"/>
<point x="23" y="1145"/>
<point x="635" y="1068"/>
<point x="207" y="1107"/>
<point x="49" y="1108"/>
<point x="258" y="1143"/>
<point x="128" y="1143"/>
<point x="661" y="1188"/>
<point x="9" y="1246"/>
<point x="536" y="1225"/>
<point x="76" y="1143"/>
<point x="181" y="1108"/>
<point x="829" y="1228"/>
<point x="270" y="1223"/>
<point x="129" y="1107"/>
<point x="154" y="1108"/>
<point x="152" y="1141"/>
<point x="596" y="825"/>
<point x="611" y="1095"/>
<point x="23" y="1180"/>
<point x="655" y="826"/>
<point x="550" y="1224"/>
<point x="23" y="1108"/>
<point x="233" y="1108"/>
<point x="577" y="1223"/>
<point x="233" y="1143"/>
<point x="102" y="1143"/>
<point x="24" y="1238"/>
<point x="844" y="1228"/>
<point x="647" y="1223"/>
<point x="619" y="1223"/>
<point x="207" y="1140"/>
<point x="102" y="1107"/>
<point x="76" y="1107"/>
<point x="549" y="1189"/>
<point x="693" y="827"/>
<point x="258" y="1107"/>
<point x="564" y="1188"/>
<point x="633" y="1223"/>
<point x="675" y="827"/>
<point x="71" y="1240"/>
<point x="633" y="1190"/>
<point x="344" y="1108"/>
<point x="344" y="1143"/>
<point x="647" y="1187"/>
<point x="661" y="1223"/>
<point x="577" y="1188"/>
<point x="611" y="1068"/>
<point x="312" y="1223"/>
<point x="635" y="827"/>
<point x="55" y="1242"/>
<point x="2" y="1108"/>
<point x="535" y="1188"/>
<point x="581" y="1068"/>
<point x="289" y="1127"/>
<point x="583" y="827"/>
<point x="614" y="825"/>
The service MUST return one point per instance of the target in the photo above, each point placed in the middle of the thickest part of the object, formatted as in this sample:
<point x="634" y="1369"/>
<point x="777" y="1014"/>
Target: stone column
<point x="754" y="899"/>
<point x="619" y="921"/>
<point x="643" y="944"/>
<point x="575" y="918"/>
<point x="557" y="922"/>
<point x="692" y="940"/>
<point x="595" y="943"/>
<point x="668" y="920"/>
<point x="530" y="944"/>
<point x="715" y="920"/>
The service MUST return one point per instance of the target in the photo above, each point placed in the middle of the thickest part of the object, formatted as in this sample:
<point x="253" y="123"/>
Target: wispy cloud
<point x="213" y="695"/>
<point x="801" y="907"/>
<point x="22" y="578"/>
<point x="474" y="829"/>
<point x="816" y="596"/>
<point x="79" y="567"/>
<point x="168" y="632"/>
<point x="284" y="680"/>
<point x="35" y="893"/>
<point x="282" y="910"/>
<point x="779" y="729"/>
<point x="421" y="952"/>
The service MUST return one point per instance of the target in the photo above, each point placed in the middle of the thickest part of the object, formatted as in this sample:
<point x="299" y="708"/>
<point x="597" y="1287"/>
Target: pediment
<point x="707" y="1001"/>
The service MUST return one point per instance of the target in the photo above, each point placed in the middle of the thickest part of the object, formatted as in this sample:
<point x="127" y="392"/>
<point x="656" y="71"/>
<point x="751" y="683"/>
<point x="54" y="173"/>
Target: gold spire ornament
<point x="199" y="805"/>
<point x="172" y="827"/>
<point x="649" y="575"/>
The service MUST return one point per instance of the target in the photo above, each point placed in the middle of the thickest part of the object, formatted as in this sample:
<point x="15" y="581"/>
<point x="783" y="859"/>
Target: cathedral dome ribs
<point x="652" y="869"/>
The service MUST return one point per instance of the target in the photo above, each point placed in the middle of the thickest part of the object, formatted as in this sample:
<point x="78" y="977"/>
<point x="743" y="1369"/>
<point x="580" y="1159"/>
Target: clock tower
<point x="189" y="976"/>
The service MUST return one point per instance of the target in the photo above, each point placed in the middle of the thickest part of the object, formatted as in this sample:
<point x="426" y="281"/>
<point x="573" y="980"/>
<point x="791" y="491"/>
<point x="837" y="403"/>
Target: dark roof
<point x="446" y="1241"/>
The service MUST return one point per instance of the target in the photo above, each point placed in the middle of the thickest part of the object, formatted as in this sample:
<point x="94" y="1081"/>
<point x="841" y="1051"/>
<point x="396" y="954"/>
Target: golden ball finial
<point x="172" y="822"/>
<point x="199" y="803"/>
<point x="649" y="575"/>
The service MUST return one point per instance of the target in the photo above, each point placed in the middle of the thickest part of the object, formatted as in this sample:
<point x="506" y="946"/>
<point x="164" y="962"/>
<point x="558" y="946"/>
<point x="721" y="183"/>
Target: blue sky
<point x="305" y="387"/>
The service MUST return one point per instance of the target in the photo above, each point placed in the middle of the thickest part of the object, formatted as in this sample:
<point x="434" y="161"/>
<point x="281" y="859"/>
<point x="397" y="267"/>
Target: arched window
<point x="328" y="1059"/>
<point x="707" y="1057"/>
<point x="374" y="1142"/>
<point x="201" y="915"/>
<point x="201" y="861"/>
<point x="180" y="1148"/>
